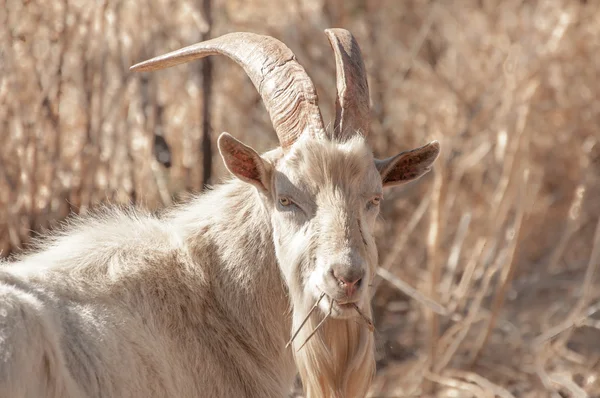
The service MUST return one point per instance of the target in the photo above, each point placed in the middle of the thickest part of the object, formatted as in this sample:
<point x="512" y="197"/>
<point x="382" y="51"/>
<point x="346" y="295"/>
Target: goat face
<point x="323" y="197"/>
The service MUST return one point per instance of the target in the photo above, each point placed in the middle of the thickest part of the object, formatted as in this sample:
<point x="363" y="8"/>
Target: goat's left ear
<point x="244" y="162"/>
<point x="408" y="166"/>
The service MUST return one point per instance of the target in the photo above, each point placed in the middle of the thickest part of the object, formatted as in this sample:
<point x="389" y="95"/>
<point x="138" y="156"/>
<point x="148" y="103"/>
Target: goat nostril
<point x="350" y="282"/>
<point x="349" y="279"/>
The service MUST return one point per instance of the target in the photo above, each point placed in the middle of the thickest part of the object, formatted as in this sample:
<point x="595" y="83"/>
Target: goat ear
<point x="408" y="166"/>
<point x="244" y="162"/>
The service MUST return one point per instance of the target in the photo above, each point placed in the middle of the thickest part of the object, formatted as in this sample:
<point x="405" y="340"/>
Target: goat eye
<point x="285" y="201"/>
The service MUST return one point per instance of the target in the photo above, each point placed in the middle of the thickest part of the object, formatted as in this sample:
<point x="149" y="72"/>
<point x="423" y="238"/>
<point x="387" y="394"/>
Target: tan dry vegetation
<point x="504" y="234"/>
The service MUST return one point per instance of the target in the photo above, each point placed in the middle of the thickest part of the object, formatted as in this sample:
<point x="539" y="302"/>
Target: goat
<point x="200" y="300"/>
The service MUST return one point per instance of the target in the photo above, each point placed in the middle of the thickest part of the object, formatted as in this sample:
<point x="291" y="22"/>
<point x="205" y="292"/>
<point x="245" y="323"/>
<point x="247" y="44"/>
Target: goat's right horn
<point x="287" y="92"/>
<point x="352" y="106"/>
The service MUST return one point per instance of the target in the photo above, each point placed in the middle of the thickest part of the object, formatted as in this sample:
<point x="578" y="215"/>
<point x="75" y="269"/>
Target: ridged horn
<point x="286" y="90"/>
<point x="352" y="106"/>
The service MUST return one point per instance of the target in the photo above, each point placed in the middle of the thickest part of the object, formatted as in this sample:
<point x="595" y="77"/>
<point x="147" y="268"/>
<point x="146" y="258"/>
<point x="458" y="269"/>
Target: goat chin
<point x="338" y="360"/>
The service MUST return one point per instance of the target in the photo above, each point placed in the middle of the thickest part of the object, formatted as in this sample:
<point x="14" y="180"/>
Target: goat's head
<point x="322" y="188"/>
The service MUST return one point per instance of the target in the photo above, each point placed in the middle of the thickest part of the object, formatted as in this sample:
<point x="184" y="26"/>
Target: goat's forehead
<point x="313" y="165"/>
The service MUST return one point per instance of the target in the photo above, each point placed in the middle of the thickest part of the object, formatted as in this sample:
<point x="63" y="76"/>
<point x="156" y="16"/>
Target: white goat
<point x="201" y="300"/>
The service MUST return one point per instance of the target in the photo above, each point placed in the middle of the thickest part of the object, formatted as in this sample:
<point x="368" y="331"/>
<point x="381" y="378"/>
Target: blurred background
<point x="504" y="234"/>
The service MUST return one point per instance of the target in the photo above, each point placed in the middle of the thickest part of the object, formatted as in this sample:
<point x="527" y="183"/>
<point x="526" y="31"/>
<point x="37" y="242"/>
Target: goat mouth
<point x="341" y="307"/>
<point x="346" y="310"/>
<point x="345" y="306"/>
<point x="350" y="310"/>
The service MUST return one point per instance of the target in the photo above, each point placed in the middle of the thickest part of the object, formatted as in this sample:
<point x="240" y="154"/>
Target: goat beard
<point x="339" y="359"/>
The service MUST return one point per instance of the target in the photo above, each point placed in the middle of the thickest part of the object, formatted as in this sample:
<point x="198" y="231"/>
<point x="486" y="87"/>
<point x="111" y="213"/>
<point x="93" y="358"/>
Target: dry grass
<point x="503" y="236"/>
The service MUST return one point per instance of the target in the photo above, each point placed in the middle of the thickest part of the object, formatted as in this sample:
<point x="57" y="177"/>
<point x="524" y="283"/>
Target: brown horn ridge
<point x="286" y="89"/>
<point x="352" y="106"/>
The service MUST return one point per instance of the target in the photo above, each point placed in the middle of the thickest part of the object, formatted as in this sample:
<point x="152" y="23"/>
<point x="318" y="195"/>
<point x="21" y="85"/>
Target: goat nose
<point x="349" y="279"/>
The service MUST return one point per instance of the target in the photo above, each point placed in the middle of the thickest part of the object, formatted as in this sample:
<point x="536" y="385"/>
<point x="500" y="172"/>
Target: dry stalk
<point x="404" y="381"/>
<point x="460" y="293"/>
<point x="452" y="339"/>
<point x="543" y="350"/>
<point x="318" y="326"/>
<point x="507" y="271"/>
<point x="206" y="72"/>
<point x="587" y="289"/>
<point x="591" y="323"/>
<point x="539" y="365"/>
<point x="418" y="43"/>
<point x="504" y="370"/>
<point x="571" y="355"/>
<point x="161" y="182"/>
<point x="413" y="293"/>
<point x="573" y="223"/>
<point x="480" y="381"/>
<point x="459" y="238"/>
<point x="392" y="258"/>
<point x="314" y="307"/>
<point x="365" y="318"/>
<point x="472" y="315"/>
<point x="474" y="389"/>
<point x="566" y="382"/>
<point x="434" y="268"/>
<point x="471" y="160"/>
<point x="368" y="321"/>
<point x="576" y="317"/>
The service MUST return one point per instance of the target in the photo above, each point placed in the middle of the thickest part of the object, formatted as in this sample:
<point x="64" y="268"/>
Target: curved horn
<point x="287" y="92"/>
<point x="352" y="106"/>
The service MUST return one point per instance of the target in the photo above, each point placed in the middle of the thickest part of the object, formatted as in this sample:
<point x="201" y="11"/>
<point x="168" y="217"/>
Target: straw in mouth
<point x="366" y="320"/>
